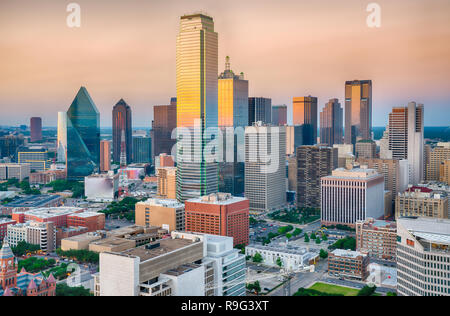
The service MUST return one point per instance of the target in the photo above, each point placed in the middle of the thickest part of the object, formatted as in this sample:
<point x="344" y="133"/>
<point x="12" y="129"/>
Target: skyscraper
<point x="331" y="123"/>
<point x="105" y="155"/>
<point x="197" y="110"/>
<point x="279" y="115"/>
<point x="304" y="111"/>
<point x="61" y="146"/>
<point x="406" y="138"/>
<point x="313" y="163"/>
<point x="122" y="122"/>
<point x="358" y="110"/>
<point x="142" y="149"/>
<point x="83" y="137"/>
<point x="164" y="123"/>
<point x="35" y="129"/>
<point x="259" y="110"/>
<point x="233" y="114"/>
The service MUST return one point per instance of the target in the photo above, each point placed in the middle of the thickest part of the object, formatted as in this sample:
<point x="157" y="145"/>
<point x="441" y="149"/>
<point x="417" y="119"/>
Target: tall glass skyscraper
<point x="122" y="122"/>
<point x="83" y="137"/>
<point x="62" y="137"/>
<point x="259" y="110"/>
<point x="331" y="123"/>
<point x="358" y="111"/>
<point x="197" y="70"/>
<point x="233" y="114"/>
<point x="304" y="113"/>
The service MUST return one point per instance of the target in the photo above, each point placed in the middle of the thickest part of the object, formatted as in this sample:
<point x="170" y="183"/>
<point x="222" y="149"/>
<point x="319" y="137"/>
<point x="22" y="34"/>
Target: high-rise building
<point x="83" y="137"/>
<point x="345" y="155"/>
<point x="197" y="109"/>
<point x="164" y="160"/>
<point x="259" y="110"/>
<point x="422" y="201"/>
<point x="358" y="110"/>
<point x="61" y="146"/>
<point x="279" y="115"/>
<point x="36" y="156"/>
<point x="9" y="145"/>
<point x="233" y="117"/>
<point x="165" y="213"/>
<point x="105" y="155"/>
<point x="304" y="111"/>
<point x="294" y="138"/>
<point x="377" y="238"/>
<point x="167" y="182"/>
<point x="351" y="195"/>
<point x="219" y="214"/>
<point x="35" y="129"/>
<point x="142" y="149"/>
<point x="423" y="259"/>
<point x="366" y="149"/>
<point x="265" y="166"/>
<point x="313" y="163"/>
<point x="445" y="172"/>
<point x="406" y="138"/>
<point x="434" y="159"/>
<point x="122" y="122"/>
<point x="331" y="123"/>
<point x="163" y="125"/>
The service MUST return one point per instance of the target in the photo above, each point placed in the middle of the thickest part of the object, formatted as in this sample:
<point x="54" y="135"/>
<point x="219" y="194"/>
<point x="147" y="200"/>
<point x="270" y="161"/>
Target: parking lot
<point x="261" y="230"/>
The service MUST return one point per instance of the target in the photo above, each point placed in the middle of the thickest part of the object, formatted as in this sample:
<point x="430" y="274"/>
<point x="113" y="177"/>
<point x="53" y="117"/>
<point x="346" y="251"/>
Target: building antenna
<point x="227" y="63"/>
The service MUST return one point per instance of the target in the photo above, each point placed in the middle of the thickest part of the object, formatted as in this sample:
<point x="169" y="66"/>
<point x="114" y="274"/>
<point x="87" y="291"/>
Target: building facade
<point x="377" y="238"/>
<point x="142" y="149"/>
<point x="167" y="182"/>
<point x="422" y="201"/>
<point x="279" y="115"/>
<point x="366" y="149"/>
<point x="348" y="264"/>
<point x="35" y="129"/>
<point x="168" y="214"/>
<point x="435" y="157"/>
<point x="331" y="123"/>
<point x="163" y="125"/>
<point x="259" y="110"/>
<point x="105" y="156"/>
<point x="358" y="110"/>
<point x="304" y="111"/>
<point x="122" y="123"/>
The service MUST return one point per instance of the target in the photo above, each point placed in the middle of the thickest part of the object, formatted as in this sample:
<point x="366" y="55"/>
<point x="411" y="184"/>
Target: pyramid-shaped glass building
<point x="83" y="137"/>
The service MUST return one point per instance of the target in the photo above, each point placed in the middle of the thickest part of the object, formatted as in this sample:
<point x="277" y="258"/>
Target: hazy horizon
<point x="285" y="48"/>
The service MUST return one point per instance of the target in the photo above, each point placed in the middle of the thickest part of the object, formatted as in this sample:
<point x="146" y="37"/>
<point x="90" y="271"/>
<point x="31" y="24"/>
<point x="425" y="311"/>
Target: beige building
<point x="422" y="201"/>
<point x="377" y="238"/>
<point x="444" y="175"/>
<point x="168" y="214"/>
<point x="345" y="155"/>
<point x="167" y="182"/>
<point x="366" y="149"/>
<point x="434" y="158"/>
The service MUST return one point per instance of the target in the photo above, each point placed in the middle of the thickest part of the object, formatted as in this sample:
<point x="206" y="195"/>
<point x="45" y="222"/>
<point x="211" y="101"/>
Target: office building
<point x="358" y="111"/>
<point x="9" y="145"/>
<point x="422" y="201"/>
<point x="265" y="166"/>
<point x="102" y="187"/>
<point x="4" y="223"/>
<point x="142" y="149"/>
<point x="35" y="129"/>
<point x="45" y="177"/>
<point x="444" y="174"/>
<point x="35" y="233"/>
<point x="36" y="156"/>
<point x="304" y="111"/>
<point x="366" y="149"/>
<point x="105" y="156"/>
<point x="83" y="137"/>
<point x="164" y="160"/>
<point x="331" y="123"/>
<point x="279" y="115"/>
<point x="313" y="163"/>
<point x="168" y="214"/>
<point x="259" y="110"/>
<point x="351" y="195"/>
<point x="406" y="138"/>
<point x="167" y="182"/>
<point x="61" y="145"/>
<point x="294" y="138"/>
<point x="122" y="123"/>
<point x="395" y="172"/>
<point x="17" y="171"/>
<point x="348" y="264"/>
<point x="197" y="110"/>
<point x="434" y="159"/>
<point x="163" y="125"/>
<point x="423" y="257"/>
<point x="219" y="214"/>
<point x="24" y="283"/>
<point x="377" y="238"/>
<point x="345" y="155"/>
<point x="232" y="118"/>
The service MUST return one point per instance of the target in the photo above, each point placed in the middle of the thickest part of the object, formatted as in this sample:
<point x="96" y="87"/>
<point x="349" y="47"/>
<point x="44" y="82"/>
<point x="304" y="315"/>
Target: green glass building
<point x="83" y="137"/>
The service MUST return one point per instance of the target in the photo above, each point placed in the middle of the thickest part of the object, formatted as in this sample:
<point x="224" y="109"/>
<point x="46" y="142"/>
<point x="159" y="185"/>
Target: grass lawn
<point x="334" y="289"/>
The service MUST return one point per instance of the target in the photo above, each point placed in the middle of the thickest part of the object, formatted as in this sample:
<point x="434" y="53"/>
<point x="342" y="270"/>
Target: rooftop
<point x="355" y="173"/>
<point x="218" y="199"/>
<point x="163" y="203"/>
<point x="348" y="253"/>
<point x="429" y="229"/>
<point x="51" y="212"/>
<point x="33" y="201"/>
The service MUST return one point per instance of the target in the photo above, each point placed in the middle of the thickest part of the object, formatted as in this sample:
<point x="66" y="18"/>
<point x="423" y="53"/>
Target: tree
<point x="313" y="236"/>
<point x="65" y="290"/>
<point x="318" y="241"/>
<point x="345" y="243"/>
<point x="391" y="294"/>
<point x="324" y="237"/>
<point x="297" y="232"/>
<point x="279" y="262"/>
<point x="306" y="238"/>
<point x="288" y="236"/>
<point x="257" y="258"/>
<point x="367" y="291"/>
<point x="323" y="254"/>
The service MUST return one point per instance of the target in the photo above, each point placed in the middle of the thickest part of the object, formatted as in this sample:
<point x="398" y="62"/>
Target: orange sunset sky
<point x="286" y="48"/>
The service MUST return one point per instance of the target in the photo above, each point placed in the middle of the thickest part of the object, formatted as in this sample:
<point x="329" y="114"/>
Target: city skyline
<point x="125" y="66"/>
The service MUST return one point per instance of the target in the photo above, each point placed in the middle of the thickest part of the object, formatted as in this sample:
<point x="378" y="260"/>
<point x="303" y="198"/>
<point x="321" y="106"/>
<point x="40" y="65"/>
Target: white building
<point x="35" y="233"/>
<point x="101" y="187"/>
<point x="17" y="171"/>
<point x="351" y="195"/>
<point x="265" y="166"/>
<point x="423" y="257"/>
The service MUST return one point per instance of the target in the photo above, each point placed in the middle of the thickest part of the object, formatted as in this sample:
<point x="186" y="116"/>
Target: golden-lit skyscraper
<point x="105" y="155"/>
<point x="233" y="116"/>
<point x="197" y="109"/>
<point x="358" y="111"/>
<point x="304" y="113"/>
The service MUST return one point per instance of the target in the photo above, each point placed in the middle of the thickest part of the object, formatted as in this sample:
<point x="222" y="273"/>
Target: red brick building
<point x="219" y="214"/>
<point x="4" y="222"/>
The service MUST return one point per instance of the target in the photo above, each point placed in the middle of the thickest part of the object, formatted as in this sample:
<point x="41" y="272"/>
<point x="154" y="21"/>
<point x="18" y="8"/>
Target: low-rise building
<point x="35" y="233"/>
<point x="4" y="223"/>
<point x="377" y="238"/>
<point x="422" y="201"/>
<point x="168" y="214"/>
<point x="167" y="182"/>
<point x="32" y="202"/>
<point x="101" y="187"/>
<point x="17" y="171"/>
<point x="348" y="264"/>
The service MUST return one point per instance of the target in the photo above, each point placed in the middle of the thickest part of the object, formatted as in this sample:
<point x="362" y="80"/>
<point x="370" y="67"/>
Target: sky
<point x="126" y="49"/>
